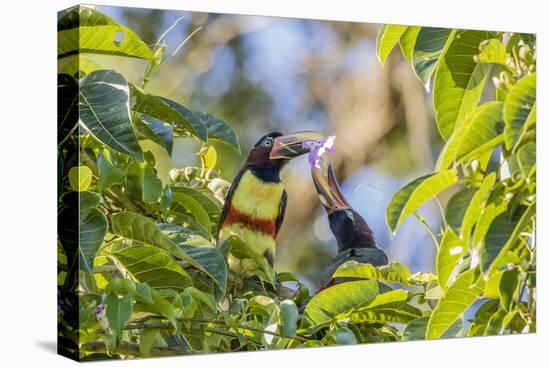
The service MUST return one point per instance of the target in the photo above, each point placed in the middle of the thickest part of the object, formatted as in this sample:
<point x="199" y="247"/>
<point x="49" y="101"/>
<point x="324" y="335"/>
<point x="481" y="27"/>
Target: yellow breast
<point x="257" y="198"/>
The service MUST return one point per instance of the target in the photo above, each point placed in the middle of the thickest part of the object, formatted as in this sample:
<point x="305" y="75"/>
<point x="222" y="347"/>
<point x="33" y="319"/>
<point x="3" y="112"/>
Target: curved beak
<point x="328" y="189"/>
<point x="293" y="145"/>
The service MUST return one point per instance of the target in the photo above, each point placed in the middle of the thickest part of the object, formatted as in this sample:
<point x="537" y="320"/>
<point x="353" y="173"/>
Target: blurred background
<point x="265" y="73"/>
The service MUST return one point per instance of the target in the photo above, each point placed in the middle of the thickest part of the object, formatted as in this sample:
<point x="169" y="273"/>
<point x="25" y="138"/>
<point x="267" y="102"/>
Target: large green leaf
<point x="144" y="231"/>
<point x="86" y="30"/>
<point x="183" y="120"/>
<point x="152" y="265"/>
<point x="388" y="37"/>
<point x="416" y="329"/>
<point x="476" y="135"/>
<point x="517" y="109"/>
<point x="503" y="234"/>
<point x="457" y="206"/>
<point x="288" y="318"/>
<point x="67" y="106"/>
<point x="119" y="310"/>
<point x="339" y="300"/>
<point x="393" y="272"/>
<point x="527" y="157"/>
<point x="184" y="203"/>
<point x="451" y="249"/>
<point x="111" y="171"/>
<point x="409" y="198"/>
<point x="482" y="316"/>
<point x="459" y="80"/>
<point x="205" y="199"/>
<point x="220" y="130"/>
<point x="105" y="111"/>
<point x="509" y="288"/>
<point x="157" y="131"/>
<point x="460" y="295"/>
<point x="390" y="306"/>
<point x="81" y="229"/>
<point x="471" y="216"/>
<point x="408" y="40"/>
<point x="213" y="263"/>
<point x="430" y="43"/>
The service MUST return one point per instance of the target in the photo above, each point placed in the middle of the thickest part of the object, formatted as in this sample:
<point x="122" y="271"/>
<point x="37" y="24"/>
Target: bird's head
<point x="349" y="227"/>
<point x="274" y="150"/>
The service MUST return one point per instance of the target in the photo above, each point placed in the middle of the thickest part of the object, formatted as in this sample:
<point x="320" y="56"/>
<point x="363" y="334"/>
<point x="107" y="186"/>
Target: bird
<point x="255" y="204"/>
<point x="354" y="238"/>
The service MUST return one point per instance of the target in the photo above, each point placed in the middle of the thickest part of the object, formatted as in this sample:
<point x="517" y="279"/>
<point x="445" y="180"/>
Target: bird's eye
<point x="267" y="143"/>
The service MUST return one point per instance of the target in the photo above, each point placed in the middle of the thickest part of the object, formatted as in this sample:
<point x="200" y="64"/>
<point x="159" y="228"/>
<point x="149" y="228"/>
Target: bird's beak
<point x="293" y="145"/>
<point x="328" y="189"/>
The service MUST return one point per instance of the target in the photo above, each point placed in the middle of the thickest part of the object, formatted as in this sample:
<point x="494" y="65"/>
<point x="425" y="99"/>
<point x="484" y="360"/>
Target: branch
<point x="130" y="349"/>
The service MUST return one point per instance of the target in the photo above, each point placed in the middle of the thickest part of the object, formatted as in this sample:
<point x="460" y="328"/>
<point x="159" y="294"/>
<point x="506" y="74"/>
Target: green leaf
<point x="478" y="134"/>
<point x="459" y="296"/>
<point x="502" y="235"/>
<point x="492" y="51"/>
<point x="509" y="288"/>
<point x="152" y="265"/>
<point x="343" y="336"/>
<point x="430" y="43"/>
<point x="388" y="37"/>
<point x="80" y="178"/>
<point x="459" y="81"/>
<point x="213" y="263"/>
<point x="202" y="297"/>
<point x="481" y="318"/>
<point x="144" y="231"/>
<point x="190" y="116"/>
<point x="184" y="203"/>
<point x="220" y="130"/>
<point x="164" y="308"/>
<point x="527" y="157"/>
<point x="105" y="111"/>
<point x="156" y="131"/>
<point x="288" y="318"/>
<point x="111" y="171"/>
<point x="81" y="229"/>
<point x="242" y="250"/>
<point x="85" y="30"/>
<point x="146" y="339"/>
<point x="183" y="120"/>
<point x="409" y="198"/>
<point x="517" y="108"/>
<point x="67" y="106"/>
<point x="408" y="40"/>
<point x="451" y="250"/>
<point x="391" y="307"/>
<point x="205" y="199"/>
<point x="78" y="65"/>
<point x="393" y="272"/>
<point x="339" y="300"/>
<point x="416" y="329"/>
<point x="477" y="203"/>
<point x="119" y="310"/>
<point x="457" y="206"/>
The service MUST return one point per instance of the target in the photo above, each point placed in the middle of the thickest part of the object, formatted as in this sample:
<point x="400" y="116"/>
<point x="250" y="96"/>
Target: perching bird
<point x="255" y="204"/>
<point x="354" y="237"/>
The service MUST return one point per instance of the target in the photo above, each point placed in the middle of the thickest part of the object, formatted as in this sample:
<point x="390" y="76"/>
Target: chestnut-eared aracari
<point x="354" y="237"/>
<point x="255" y="204"/>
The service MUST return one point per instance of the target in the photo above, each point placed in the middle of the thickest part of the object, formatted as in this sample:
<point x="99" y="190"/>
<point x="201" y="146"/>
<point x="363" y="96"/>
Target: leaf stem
<point x="425" y="224"/>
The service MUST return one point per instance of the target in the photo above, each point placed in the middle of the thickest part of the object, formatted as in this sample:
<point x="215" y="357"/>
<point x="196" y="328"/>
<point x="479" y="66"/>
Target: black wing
<point x="228" y="199"/>
<point x="282" y="210"/>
